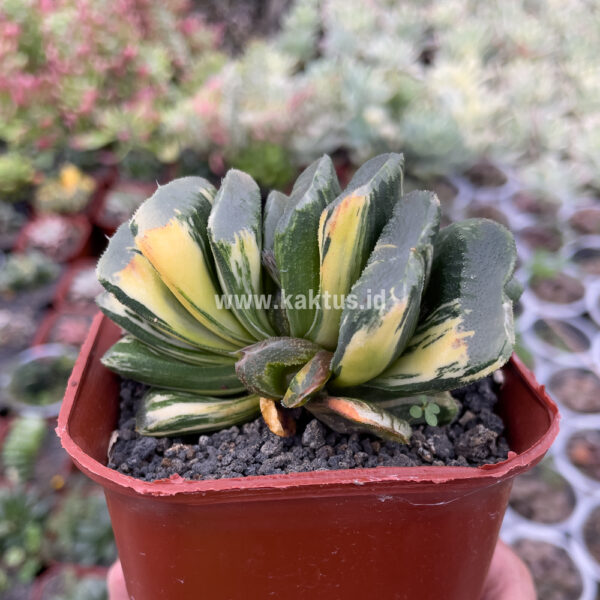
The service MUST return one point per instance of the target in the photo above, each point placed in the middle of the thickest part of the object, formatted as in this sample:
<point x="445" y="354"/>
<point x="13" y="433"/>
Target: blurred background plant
<point x="69" y="192"/>
<point x="22" y="516"/>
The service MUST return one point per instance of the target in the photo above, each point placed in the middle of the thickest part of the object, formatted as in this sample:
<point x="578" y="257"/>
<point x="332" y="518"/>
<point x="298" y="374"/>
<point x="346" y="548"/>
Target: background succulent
<point x="351" y="303"/>
<point x="69" y="192"/>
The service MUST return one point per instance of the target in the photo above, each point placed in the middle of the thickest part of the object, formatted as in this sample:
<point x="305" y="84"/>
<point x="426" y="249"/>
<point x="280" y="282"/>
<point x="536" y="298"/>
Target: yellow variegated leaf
<point x="309" y="380"/>
<point x="152" y="335"/>
<point x="388" y="292"/>
<point x="348" y="230"/>
<point x="296" y="242"/>
<point x="124" y="272"/>
<point x="349" y="415"/>
<point x="235" y="233"/>
<point x="467" y="331"/>
<point x="170" y="231"/>
<point x="164" y="412"/>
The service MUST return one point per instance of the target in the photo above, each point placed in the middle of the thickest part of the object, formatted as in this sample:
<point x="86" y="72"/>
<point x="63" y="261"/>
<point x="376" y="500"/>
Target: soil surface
<point x="475" y="438"/>
<point x="485" y="211"/>
<point x="562" y="335"/>
<point x="542" y="237"/>
<point x="534" y="204"/>
<point x="561" y="288"/>
<point x="485" y="174"/>
<point x="586" y="221"/>
<point x="588" y="260"/>
<point x="577" y="389"/>
<point x="591" y="533"/>
<point x="543" y="495"/>
<point x="556" y="576"/>
<point x="584" y="452"/>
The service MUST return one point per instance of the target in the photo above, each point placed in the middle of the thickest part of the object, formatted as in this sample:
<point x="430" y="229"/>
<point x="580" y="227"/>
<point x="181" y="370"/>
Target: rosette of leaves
<point x="231" y="308"/>
<point x="68" y="193"/>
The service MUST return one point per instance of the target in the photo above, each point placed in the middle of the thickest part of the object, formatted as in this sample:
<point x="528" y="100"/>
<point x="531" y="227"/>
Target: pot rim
<point x="463" y="478"/>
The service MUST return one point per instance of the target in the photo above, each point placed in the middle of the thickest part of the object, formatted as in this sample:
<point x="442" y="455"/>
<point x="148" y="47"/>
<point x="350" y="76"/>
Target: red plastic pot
<point x="406" y="533"/>
<point x="42" y="586"/>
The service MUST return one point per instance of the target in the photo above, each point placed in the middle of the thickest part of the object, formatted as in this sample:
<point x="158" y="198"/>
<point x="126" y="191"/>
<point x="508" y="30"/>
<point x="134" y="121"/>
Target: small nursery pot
<point x="79" y="250"/>
<point x="388" y="532"/>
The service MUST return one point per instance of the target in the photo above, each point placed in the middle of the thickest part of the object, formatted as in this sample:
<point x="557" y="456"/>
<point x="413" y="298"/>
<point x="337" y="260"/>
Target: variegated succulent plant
<point x="350" y="303"/>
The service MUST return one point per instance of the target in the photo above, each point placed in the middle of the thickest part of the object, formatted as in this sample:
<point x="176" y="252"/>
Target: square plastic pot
<point x="421" y="533"/>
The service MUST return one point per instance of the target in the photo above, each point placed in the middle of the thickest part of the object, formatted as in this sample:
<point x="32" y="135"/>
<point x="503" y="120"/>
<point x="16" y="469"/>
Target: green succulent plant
<point x="353" y="304"/>
<point x="16" y="175"/>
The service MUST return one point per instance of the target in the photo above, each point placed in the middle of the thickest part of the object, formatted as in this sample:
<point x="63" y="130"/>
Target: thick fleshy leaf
<point x="163" y="412"/>
<point x="267" y="367"/>
<point x="153" y="336"/>
<point x="309" y="380"/>
<point x="296" y="244"/>
<point x="348" y="230"/>
<point x="278" y="419"/>
<point x="274" y="209"/>
<point x="235" y="234"/>
<point x="449" y="407"/>
<point x="388" y="292"/>
<point x="132" y="359"/>
<point x="124" y="272"/>
<point x="349" y="415"/>
<point x="170" y="230"/>
<point x="467" y="331"/>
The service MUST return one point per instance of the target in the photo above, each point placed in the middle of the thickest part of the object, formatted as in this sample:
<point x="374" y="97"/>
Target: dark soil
<point x="474" y="439"/>
<point x="562" y="335"/>
<point x="586" y="221"/>
<point x="591" y="533"/>
<point x="484" y="211"/>
<point x="542" y="237"/>
<point x="485" y="174"/>
<point x="577" y="389"/>
<point x="561" y="288"/>
<point x="534" y="204"/>
<point x="554" y="572"/>
<point x="588" y="260"/>
<point x="584" y="452"/>
<point x="543" y="495"/>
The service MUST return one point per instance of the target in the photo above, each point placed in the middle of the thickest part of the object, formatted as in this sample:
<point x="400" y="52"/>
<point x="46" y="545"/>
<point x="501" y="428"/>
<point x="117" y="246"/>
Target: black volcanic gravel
<point x="475" y="438"/>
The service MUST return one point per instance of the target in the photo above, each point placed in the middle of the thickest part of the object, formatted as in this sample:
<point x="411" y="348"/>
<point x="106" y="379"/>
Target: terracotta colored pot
<point x="42" y="585"/>
<point x="61" y="299"/>
<point x="81" y="249"/>
<point x="421" y="533"/>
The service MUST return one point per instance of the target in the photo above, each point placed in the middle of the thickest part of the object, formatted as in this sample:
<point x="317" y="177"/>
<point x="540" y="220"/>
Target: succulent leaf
<point x="296" y="244"/>
<point x="124" y="272"/>
<point x="151" y="335"/>
<point x="131" y="358"/>
<point x="267" y="367"/>
<point x="395" y="275"/>
<point x="235" y="234"/>
<point x="164" y="412"/>
<point x="274" y="208"/>
<point x="278" y="419"/>
<point x="170" y="230"/>
<point x="309" y="380"/>
<point x="348" y="230"/>
<point x="349" y="415"/>
<point x="467" y="331"/>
